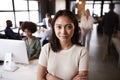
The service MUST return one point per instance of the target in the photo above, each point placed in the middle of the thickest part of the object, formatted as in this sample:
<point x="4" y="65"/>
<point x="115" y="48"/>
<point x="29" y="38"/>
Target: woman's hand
<point x="82" y="75"/>
<point x="78" y="77"/>
<point x="52" y="77"/>
<point x="32" y="58"/>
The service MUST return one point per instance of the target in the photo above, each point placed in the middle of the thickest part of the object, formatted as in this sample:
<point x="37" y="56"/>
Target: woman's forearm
<point x="40" y="77"/>
<point x="82" y="75"/>
<point x="41" y="74"/>
<point x="52" y="77"/>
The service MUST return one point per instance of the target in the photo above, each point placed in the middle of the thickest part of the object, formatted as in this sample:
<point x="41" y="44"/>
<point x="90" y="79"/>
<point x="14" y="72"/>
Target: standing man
<point x="110" y="24"/>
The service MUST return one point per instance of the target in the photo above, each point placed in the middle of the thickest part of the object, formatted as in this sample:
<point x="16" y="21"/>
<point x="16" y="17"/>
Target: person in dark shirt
<point x="9" y="32"/>
<point x="110" y="21"/>
<point x="110" y="25"/>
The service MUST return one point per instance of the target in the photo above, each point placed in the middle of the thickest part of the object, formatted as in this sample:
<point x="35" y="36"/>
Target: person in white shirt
<point x="46" y="34"/>
<point x="86" y="26"/>
<point x="45" y="21"/>
<point x="63" y="58"/>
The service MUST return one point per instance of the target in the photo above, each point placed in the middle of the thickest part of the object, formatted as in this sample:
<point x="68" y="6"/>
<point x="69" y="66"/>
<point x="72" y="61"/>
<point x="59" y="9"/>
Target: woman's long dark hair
<point x="54" y="41"/>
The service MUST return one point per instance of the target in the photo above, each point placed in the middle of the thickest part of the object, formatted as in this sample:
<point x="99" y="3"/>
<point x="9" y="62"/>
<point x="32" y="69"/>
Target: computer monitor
<point x="16" y="47"/>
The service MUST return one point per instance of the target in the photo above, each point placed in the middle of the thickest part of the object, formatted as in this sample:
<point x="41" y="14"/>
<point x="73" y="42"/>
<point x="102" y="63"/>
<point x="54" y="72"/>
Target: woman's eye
<point x="69" y="26"/>
<point x="58" y="27"/>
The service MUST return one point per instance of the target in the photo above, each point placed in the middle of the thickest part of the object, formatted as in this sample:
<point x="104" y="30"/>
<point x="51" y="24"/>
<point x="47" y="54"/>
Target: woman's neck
<point x="30" y="37"/>
<point x="87" y="16"/>
<point x="65" y="46"/>
<point x="30" y="40"/>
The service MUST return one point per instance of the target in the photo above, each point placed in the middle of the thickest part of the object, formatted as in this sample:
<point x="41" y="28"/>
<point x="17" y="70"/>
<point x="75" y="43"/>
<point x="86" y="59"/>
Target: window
<point x="97" y="9"/>
<point x="20" y="4"/>
<point x="34" y="18"/>
<point x="21" y="16"/>
<point x="33" y="5"/>
<point x="105" y="9"/>
<point x="6" y="5"/>
<point x="5" y="16"/>
<point x="18" y="10"/>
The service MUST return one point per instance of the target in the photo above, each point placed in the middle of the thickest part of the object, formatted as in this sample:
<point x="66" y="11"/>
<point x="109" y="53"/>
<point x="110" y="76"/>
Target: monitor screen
<point x="16" y="47"/>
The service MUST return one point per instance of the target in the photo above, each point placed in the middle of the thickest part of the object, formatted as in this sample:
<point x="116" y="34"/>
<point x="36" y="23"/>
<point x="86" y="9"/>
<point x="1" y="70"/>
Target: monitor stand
<point x="9" y="64"/>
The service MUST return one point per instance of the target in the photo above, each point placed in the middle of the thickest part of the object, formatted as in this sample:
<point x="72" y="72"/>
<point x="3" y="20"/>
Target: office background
<point x="34" y="10"/>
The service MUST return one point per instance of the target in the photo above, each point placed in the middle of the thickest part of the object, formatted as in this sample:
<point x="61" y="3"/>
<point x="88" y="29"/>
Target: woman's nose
<point x="63" y="30"/>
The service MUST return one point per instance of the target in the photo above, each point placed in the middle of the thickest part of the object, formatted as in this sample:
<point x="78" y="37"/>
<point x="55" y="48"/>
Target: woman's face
<point x="28" y="33"/>
<point x="64" y="29"/>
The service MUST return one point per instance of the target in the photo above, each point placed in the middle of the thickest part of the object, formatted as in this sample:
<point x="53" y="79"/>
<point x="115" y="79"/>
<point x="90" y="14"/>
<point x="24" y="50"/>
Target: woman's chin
<point x="64" y="40"/>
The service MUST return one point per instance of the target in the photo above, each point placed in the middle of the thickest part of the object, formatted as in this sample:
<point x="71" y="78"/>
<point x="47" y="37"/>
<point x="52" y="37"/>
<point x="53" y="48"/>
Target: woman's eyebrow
<point x="57" y="24"/>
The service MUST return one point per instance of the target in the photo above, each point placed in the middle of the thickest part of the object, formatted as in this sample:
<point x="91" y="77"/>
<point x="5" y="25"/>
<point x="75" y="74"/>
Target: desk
<point x="40" y="24"/>
<point x="25" y="72"/>
<point x="116" y="43"/>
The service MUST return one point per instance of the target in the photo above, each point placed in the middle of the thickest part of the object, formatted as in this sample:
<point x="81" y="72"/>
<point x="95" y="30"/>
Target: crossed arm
<point x="43" y="75"/>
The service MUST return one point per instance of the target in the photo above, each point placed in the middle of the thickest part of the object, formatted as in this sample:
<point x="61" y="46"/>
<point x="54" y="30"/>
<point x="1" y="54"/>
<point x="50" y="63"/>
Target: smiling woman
<point x="63" y="58"/>
<point x="64" y="29"/>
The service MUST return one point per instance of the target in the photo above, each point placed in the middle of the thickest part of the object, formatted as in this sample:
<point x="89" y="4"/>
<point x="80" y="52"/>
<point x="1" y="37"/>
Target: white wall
<point x="59" y="5"/>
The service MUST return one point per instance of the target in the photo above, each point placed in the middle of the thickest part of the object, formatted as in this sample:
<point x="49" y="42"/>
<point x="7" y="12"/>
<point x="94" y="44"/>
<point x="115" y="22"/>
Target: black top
<point x="110" y="22"/>
<point x="10" y="34"/>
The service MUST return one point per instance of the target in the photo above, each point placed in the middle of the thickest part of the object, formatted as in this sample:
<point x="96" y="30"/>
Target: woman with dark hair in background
<point x="63" y="58"/>
<point x="32" y="43"/>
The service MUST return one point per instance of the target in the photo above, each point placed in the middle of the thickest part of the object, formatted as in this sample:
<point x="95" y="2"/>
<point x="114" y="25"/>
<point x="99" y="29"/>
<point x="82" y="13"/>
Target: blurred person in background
<point x="86" y="26"/>
<point x="32" y="42"/>
<point x="9" y="33"/>
<point x="110" y="25"/>
<point x="46" y="34"/>
<point x="45" y="20"/>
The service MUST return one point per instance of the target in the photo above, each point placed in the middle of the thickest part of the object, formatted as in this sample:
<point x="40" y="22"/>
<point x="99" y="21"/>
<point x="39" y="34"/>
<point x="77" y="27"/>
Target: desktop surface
<point x="25" y="72"/>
